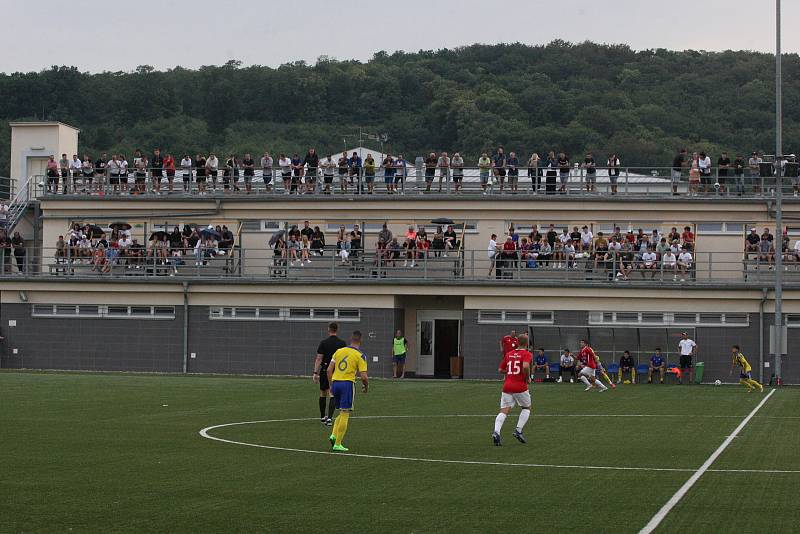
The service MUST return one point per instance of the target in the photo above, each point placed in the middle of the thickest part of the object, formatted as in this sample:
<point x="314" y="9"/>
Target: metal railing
<point x="623" y="181"/>
<point x="393" y="264"/>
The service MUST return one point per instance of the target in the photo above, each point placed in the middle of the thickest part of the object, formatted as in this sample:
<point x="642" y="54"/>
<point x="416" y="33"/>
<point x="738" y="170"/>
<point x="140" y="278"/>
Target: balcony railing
<point x="398" y="265"/>
<point x="661" y="182"/>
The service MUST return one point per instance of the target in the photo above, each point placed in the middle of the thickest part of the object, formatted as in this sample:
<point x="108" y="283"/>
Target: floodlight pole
<point x="778" y="340"/>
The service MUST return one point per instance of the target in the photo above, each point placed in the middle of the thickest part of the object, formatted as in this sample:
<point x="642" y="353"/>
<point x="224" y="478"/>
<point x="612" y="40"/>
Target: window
<point x="102" y="311"/>
<point x="515" y="316"/>
<point x="272" y="226"/>
<point x="245" y="313"/>
<point x="676" y="319"/>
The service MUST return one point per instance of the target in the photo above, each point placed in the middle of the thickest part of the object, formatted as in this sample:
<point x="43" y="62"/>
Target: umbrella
<point x="443" y="220"/>
<point x="276" y="236"/>
<point x="160" y="235"/>
<point x="94" y="231"/>
<point x="120" y="226"/>
<point x="209" y="232"/>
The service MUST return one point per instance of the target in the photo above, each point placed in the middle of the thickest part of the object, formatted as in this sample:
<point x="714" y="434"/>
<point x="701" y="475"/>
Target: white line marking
<point x="661" y="514"/>
<point x="206" y="433"/>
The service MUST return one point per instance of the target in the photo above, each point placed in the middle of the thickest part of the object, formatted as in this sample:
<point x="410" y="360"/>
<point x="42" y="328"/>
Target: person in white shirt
<point x="704" y="164"/>
<point x="567" y="364"/>
<point x="688" y="349"/>
<point x="669" y="263"/>
<point x="112" y="167"/>
<point x="796" y="252"/>
<point x="586" y="239"/>
<point x="76" y="166"/>
<point x="123" y="173"/>
<point x="212" y="165"/>
<point x="492" y="253"/>
<point x="285" y="163"/>
<point x="328" y="170"/>
<point x="649" y="263"/>
<point x="569" y="254"/>
<point x="186" y="171"/>
<point x="564" y="237"/>
<point x="266" y="171"/>
<point x="684" y="263"/>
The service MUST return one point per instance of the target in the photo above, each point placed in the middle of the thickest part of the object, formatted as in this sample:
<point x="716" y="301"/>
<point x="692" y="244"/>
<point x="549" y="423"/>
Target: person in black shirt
<point x="325" y="351"/>
<point x="450" y="240"/>
<point x="249" y="166"/>
<point x="157" y="164"/>
<point x="677" y="169"/>
<point x="317" y="241"/>
<point x="626" y="364"/>
<point x="723" y="164"/>
<point x="552" y="235"/>
<point x="18" y="244"/>
<point x="312" y="162"/>
<point x="739" y="165"/>
<point x="306" y="231"/>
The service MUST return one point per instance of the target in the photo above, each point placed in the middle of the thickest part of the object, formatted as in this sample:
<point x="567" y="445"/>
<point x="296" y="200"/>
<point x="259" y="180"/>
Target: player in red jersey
<point x="509" y="343"/>
<point x="588" y="365"/>
<point x="516" y="366"/>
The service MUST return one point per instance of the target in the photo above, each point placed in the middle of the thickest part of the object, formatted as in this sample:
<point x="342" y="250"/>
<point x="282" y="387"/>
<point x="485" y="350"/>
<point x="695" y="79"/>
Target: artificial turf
<point x="115" y="452"/>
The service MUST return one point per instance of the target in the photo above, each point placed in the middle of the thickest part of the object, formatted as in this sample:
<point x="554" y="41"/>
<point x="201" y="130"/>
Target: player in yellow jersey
<point x="346" y="363"/>
<point x="744" y="378"/>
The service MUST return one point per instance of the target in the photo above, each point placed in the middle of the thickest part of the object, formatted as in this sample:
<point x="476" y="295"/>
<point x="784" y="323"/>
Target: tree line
<point x="574" y="98"/>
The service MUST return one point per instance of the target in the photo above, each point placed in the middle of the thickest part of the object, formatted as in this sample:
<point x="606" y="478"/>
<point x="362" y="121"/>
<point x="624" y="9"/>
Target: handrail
<point x="407" y="265"/>
<point x="623" y="181"/>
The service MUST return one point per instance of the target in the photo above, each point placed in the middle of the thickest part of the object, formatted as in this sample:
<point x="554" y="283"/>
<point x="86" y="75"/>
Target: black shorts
<point x="686" y="361"/>
<point x="157" y="173"/>
<point x="324" y="385"/>
<point x="114" y="179"/>
<point x="706" y="179"/>
<point x="170" y="173"/>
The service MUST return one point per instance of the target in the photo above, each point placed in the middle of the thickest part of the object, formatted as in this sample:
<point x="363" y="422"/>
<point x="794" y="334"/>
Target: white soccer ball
<point x="717" y="382"/>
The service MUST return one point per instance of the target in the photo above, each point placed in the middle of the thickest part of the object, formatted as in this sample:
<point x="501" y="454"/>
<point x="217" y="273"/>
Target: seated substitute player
<point x="540" y="363"/>
<point x="744" y="377"/>
<point x="587" y="367"/>
<point x="346" y="363"/>
<point x="516" y="365"/>
<point x="567" y="364"/>
<point x="626" y="364"/>
<point x="657" y="362"/>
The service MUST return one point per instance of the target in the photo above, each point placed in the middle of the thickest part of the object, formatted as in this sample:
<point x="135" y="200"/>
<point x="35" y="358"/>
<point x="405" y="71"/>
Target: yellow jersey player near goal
<point x="346" y="363"/>
<point x="744" y="377"/>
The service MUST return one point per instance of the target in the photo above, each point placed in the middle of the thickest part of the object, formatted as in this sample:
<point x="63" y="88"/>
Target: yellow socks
<point x="340" y="426"/>
<point x="754" y="384"/>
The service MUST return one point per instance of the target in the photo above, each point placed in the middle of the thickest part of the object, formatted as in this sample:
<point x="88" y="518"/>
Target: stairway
<point x="19" y="204"/>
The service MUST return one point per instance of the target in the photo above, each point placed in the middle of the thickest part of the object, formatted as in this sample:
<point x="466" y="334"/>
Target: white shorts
<point x="587" y="371"/>
<point x="509" y="400"/>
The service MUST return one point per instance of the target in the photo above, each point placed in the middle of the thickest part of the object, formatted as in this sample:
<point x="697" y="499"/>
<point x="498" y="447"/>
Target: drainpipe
<point x="185" y="326"/>
<point x="761" y="335"/>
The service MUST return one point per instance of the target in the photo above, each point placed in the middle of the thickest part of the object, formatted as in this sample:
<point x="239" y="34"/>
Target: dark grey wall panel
<point x="146" y="345"/>
<point x="276" y="347"/>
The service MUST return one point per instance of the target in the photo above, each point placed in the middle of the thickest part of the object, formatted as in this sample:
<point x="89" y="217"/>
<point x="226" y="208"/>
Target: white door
<point x="426" y="338"/>
<point x="425" y="342"/>
<point x="37" y="166"/>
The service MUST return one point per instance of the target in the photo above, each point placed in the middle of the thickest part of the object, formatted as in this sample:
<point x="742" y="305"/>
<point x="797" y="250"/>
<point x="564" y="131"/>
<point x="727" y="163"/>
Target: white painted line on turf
<point x="675" y="499"/>
<point x="206" y="433"/>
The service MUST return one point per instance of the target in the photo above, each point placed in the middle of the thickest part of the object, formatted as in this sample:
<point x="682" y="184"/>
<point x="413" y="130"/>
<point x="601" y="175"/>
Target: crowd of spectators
<point x="92" y="245"/>
<point x="550" y="174"/>
<point x="619" y="254"/>
<point x="299" y="245"/>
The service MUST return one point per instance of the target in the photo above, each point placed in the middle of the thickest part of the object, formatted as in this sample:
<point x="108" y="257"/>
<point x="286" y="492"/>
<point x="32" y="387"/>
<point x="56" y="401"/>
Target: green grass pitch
<point x="101" y="453"/>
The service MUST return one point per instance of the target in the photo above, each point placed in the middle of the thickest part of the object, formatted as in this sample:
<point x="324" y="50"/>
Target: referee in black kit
<point x="325" y="351"/>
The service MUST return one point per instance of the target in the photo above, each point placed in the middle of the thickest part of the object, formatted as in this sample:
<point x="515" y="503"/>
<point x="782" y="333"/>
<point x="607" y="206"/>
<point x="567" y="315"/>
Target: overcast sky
<point x="97" y="35"/>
